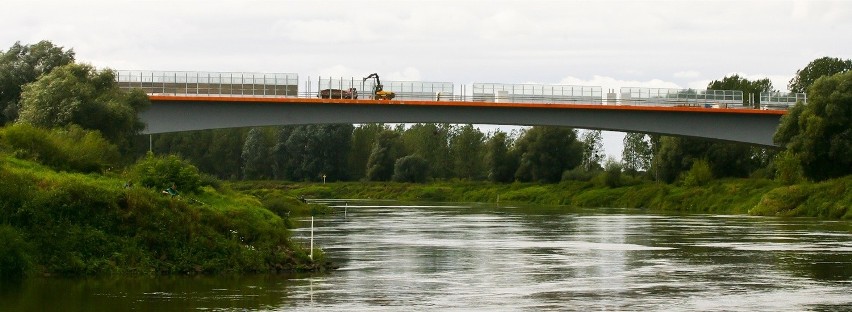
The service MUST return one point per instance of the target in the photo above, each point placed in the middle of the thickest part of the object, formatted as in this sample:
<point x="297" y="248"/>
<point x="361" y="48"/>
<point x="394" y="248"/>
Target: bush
<point x="579" y="174"/>
<point x="699" y="174"/>
<point x="15" y="260"/>
<point x="611" y="177"/>
<point x="71" y="149"/>
<point x="163" y="171"/>
<point x="411" y="168"/>
<point x="788" y="169"/>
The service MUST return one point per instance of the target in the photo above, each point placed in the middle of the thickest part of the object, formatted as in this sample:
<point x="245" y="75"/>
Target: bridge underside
<point x="175" y="115"/>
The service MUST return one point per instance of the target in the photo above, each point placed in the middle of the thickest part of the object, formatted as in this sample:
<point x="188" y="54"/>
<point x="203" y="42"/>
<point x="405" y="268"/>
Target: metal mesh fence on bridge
<point x="211" y="83"/>
<point x="535" y="93"/>
<point x="682" y="97"/>
<point x="781" y="100"/>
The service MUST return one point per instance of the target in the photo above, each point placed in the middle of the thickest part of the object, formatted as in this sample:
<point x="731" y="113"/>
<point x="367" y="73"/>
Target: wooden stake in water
<point x="312" y="238"/>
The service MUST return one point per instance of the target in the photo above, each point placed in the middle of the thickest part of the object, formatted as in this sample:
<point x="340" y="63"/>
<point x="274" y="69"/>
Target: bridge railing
<point x="781" y="100"/>
<point x="535" y="93"/>
<point x="210" y="83"/>
<point x="288" y="85"/>
<point x="682" y="97"/>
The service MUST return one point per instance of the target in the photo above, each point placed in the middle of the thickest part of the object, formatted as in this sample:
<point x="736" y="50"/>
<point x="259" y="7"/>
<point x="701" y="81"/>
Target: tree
<point x="411" y="168"/>
<point x="308" y="152"/>
<point x="256" y="158"/>
<point x="736" y="82"/>
<point x="363" y="138"/>
<point x="383" y="157"/>
<point x="467" y="148"/>
<point x="593" y="152"/>
<point x="545" y="152"/>
<point x="636" y="155"/>
<point x="824" y="66"/>
<point x="81" y="95"/>
<point x="432" y="142"/>
<point x="23" y="64"/>
<point x="819" y="134"/>
<point x="498" y="159"/>
<point x="677" y="154"/>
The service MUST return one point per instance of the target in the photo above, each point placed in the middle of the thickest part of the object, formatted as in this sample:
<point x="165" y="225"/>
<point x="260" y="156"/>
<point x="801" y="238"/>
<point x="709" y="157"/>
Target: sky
<point x="610" y="44"/>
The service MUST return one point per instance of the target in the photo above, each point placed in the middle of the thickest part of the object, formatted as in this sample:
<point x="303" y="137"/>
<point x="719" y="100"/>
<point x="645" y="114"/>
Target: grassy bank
<point x="65" y="223"/>
<point x="829" y="200"/>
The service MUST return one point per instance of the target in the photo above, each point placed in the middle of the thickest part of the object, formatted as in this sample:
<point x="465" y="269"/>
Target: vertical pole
<point x="312" y="238"/>
<point x="151" y="143"/>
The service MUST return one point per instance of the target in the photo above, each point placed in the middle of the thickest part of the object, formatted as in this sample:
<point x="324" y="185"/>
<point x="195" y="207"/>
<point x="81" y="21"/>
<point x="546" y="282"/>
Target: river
<point x="394" y="257"/>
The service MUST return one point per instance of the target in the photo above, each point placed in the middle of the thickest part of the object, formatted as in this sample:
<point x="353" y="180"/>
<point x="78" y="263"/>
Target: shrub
<point x="699" y="174"/>
<point x="71" y="149"/>
<point x="15" y="260"/>
<point x="162" y="171"/>
<point x="788" y="169"/>
<point x="411" y="168"/>
<point x="579" y="174"/>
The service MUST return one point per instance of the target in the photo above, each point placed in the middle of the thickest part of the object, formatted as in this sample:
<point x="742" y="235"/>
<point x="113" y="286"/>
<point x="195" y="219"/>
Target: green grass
<point x="90" y="224"/>
<point x="828" y="200"/>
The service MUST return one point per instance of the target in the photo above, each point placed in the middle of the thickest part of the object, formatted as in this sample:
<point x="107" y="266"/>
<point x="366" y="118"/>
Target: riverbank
<point x="68" y="223"/>
<point x="830" y="199"/>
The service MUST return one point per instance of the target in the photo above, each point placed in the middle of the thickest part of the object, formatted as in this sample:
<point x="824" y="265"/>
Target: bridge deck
<point x="578" y="106"/>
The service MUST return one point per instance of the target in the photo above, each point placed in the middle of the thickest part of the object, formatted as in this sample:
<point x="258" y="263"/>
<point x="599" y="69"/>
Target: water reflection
<point x="470" y="257"/>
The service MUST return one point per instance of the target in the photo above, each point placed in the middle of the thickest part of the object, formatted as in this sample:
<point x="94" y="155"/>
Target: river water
<point x="394" y="257"/>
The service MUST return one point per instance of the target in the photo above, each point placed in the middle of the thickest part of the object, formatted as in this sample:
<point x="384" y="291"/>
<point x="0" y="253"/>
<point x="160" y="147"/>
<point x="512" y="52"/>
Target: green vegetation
<point x="828" y="199"/>
<point x="71" y="223"/>
<point x="80" y="194"/>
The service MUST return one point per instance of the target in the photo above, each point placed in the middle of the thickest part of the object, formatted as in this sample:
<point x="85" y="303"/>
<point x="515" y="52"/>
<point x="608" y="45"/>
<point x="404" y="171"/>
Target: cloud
<point x="687" y="74"/>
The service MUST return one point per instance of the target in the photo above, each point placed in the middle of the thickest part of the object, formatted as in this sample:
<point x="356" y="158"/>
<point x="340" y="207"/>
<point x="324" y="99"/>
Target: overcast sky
<point x="611" y="44"/>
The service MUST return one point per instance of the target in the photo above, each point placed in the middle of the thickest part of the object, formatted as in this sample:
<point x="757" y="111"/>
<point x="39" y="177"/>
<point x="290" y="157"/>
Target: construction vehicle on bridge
<point x="378" y="91"/>
<point x="351" y="94"/>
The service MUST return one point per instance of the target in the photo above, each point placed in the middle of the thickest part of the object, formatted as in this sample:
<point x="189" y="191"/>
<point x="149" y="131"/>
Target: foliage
<point x="677" y="154"/>
<point x="699" y="174"/>
<point x="500" y="164"/>
<point x="611" y="175"/>
<point x="23" y="64"/>
<point x="636" y="155"/>
<point x="579" y="174"/>
<point x="411" y="168"/>
<point x="71" y="149"/>
<point x="383" y="156"/>
<point x="79" y="94"/>
<point x="15" y="258"/>
<point x="432" y="142"/>
<point x="735" y="82"/>
<point x="828" y="200"/>
<point x="593" y="153"/>
<point x="77" y="224"/>
<point x="789" y="170"/>
<point x="467" y="146"/>
<point x="824" y="66"/>
<point x="819" y="134"/>
<point x="360" y="148"/>
<point x="306" y="153"/>
<point x="160" y="172"/>
<point x="257" y="163"/>
<point x="546" y="152"/>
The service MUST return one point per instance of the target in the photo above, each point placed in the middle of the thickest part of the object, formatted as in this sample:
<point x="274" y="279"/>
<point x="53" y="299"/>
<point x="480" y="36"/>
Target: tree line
<point x="42" y="85"/>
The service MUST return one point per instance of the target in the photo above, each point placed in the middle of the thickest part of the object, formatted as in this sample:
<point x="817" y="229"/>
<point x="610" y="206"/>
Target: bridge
<point x="185" y="101"/>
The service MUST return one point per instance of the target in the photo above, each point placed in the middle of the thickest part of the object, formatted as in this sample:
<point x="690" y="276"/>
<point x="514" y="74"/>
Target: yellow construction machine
<point x="378" y="92"/>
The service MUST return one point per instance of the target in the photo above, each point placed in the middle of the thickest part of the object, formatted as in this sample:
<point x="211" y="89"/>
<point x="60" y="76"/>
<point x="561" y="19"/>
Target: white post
<point x="312" y="238"/>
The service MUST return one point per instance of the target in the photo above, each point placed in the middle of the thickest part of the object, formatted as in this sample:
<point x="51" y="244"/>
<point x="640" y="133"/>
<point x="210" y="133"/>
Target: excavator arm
<point x="378" y="91"/>
<point x="378" y="81"/>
